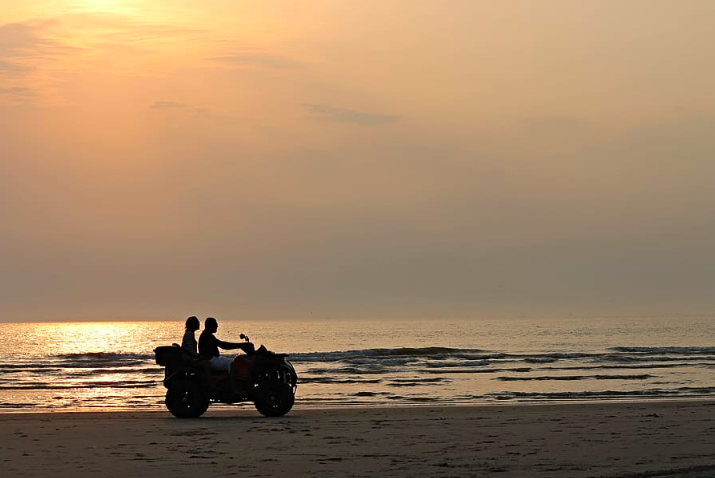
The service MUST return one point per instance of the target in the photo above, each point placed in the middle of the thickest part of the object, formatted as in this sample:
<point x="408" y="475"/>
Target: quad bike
<point x="265" y="378"/>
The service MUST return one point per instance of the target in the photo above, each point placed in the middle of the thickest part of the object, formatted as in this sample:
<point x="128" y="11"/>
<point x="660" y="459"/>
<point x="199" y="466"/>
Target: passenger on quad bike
<point x="188" y="342"/>
<point x="209" y="345"/>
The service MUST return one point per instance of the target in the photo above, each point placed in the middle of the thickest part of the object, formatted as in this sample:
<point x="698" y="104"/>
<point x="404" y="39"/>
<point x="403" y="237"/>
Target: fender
<point x="179" y="375"/>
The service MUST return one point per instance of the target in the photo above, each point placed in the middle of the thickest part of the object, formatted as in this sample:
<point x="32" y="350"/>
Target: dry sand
<point x="654" y="439"/>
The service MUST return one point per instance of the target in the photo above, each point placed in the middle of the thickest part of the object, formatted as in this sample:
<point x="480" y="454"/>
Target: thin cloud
<point x="168" y="105"/>
<point x="40" y="45"/>
<point x="333" y="114"/>
<point x="16" y="94"/>
<point x="186" y="109"/>
<point x="258" y="59"/>
<point x="22" y="45"/>
<point x="15" y="90"/>
<point x="130" y="29"/>
<point x="12" y="68"/>
<point x="201" y="112"/>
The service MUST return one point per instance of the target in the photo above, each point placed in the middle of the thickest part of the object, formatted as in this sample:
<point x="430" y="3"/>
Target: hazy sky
<point x="335" y="158"/>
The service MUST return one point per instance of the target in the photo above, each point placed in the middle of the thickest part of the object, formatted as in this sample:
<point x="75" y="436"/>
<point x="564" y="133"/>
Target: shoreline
<point x="583" y="440"/>
<point x="248" y="406"/>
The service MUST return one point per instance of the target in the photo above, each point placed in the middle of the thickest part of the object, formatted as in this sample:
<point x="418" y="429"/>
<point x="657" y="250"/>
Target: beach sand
<point x="663" y="439"/>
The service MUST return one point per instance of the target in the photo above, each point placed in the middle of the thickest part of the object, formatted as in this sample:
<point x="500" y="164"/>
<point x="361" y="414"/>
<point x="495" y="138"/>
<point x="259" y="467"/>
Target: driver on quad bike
<point x="209" y="345"/>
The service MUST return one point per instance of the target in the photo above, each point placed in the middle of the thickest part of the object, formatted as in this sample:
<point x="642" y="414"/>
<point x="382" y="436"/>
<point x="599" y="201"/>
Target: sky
<point x="356" y="159"/>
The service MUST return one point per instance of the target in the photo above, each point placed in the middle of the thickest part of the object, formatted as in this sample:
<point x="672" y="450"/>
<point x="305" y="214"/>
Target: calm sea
<point x="103" y="365"/>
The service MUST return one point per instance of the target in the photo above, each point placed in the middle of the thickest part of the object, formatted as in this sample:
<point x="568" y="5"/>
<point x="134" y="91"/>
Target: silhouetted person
<point x="189" y="343"/>
<point x="209" y="345"/>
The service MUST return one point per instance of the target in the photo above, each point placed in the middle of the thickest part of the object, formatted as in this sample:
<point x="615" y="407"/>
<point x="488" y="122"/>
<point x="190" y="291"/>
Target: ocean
<point x="110" y="365"/>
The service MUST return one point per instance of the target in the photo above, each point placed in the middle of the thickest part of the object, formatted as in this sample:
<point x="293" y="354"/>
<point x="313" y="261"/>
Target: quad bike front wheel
<point x="186" y="400"/>
<point x="273" y="398"/>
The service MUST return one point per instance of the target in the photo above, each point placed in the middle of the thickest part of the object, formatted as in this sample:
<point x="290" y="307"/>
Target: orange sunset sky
<point x="356" y="158"/>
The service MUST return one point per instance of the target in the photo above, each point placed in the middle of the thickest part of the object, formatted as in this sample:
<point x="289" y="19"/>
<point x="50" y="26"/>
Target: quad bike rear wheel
<point x="186" y="400"/>
<point x="273" y="398"/>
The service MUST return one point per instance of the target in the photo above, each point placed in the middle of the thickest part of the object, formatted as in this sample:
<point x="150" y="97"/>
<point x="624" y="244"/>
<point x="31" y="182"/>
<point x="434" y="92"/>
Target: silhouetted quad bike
<point x="265" y="378"/>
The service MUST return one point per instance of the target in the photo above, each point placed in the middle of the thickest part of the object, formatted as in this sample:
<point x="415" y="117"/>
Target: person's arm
<point x="228" y="345"/>
<point x="245" y="346"/>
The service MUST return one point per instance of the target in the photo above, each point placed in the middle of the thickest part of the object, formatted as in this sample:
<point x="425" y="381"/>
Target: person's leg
<point x="233" y="380"/>
<point x="225" y="365"/>
<point x="207" y="371"/>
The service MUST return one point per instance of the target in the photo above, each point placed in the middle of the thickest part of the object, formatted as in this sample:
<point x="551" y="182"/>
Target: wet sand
<point x="652" y="439"/>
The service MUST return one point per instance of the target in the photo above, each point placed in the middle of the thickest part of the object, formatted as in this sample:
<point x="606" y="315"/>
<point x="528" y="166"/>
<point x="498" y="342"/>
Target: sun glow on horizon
<point x="115" y="7"/>
<point x="106" y="3"/>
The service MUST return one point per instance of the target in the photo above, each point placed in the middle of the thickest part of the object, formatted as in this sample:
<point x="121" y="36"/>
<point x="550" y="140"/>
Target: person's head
<point x="192" y="323"/>
<point x="211" y="325"/>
